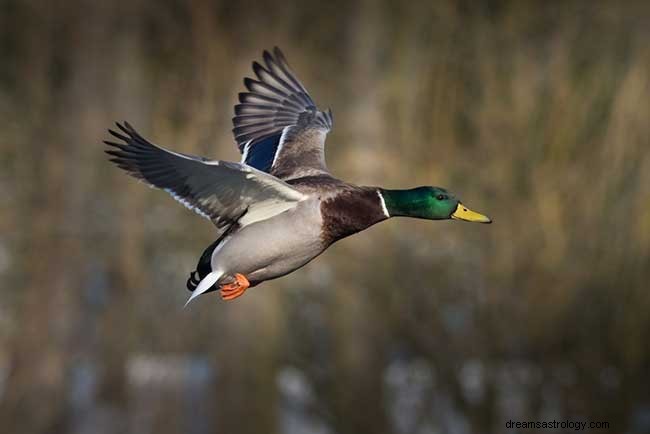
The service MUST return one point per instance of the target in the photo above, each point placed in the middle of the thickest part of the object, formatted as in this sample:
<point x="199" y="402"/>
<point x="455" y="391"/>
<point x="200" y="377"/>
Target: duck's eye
<point x="441" y="197"/>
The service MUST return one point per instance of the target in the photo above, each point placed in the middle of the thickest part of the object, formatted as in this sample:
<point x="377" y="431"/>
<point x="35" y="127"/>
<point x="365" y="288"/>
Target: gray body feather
<point x="273" y="247"/>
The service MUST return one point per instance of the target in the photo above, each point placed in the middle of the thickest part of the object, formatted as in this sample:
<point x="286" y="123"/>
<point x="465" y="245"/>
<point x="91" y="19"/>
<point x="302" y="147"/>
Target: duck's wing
<point x="277" y="126"/>
<point x="221" y="191"/>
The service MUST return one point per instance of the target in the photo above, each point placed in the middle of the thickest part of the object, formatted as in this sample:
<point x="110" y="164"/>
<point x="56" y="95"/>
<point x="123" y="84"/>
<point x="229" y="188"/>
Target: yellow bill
<point x="464" y="213"/>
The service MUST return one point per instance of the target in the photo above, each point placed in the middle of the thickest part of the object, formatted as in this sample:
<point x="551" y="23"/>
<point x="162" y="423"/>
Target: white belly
<point x="272" y="248"/>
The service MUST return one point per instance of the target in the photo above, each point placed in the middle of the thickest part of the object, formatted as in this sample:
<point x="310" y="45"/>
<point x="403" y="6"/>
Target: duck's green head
<point x="432" y="203"/>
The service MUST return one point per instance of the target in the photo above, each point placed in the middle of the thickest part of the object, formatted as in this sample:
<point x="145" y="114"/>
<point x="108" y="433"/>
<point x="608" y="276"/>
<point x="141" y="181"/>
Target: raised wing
<point x="221" y="191"/>
<point x="277" y="126"/>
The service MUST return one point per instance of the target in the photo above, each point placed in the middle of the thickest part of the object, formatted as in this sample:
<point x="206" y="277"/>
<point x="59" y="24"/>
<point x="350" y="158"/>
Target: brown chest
<point x="350" y="212"/>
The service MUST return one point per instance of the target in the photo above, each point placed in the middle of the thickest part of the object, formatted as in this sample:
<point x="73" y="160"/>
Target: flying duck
<point x="280" y="207"/>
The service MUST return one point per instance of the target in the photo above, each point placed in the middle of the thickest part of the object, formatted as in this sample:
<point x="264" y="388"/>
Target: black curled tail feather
<point x="193" y="281"/>
<point x="203" y="268"/>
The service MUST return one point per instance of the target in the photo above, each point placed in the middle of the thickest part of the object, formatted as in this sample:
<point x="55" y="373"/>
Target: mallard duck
<point x="280" y="207"/>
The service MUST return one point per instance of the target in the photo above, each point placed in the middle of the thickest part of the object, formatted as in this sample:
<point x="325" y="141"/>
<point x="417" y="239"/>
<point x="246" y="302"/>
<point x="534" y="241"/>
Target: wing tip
<point x="257" y="67"/>
<point x="249" y="83"/>
<point x="278" y="53"/>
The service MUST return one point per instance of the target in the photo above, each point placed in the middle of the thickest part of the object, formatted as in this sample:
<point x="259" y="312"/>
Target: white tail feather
<point x="205" y="284"/>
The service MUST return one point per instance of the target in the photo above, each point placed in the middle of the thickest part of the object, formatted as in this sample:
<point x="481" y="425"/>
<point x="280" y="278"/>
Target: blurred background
<point x="535" y="113"/>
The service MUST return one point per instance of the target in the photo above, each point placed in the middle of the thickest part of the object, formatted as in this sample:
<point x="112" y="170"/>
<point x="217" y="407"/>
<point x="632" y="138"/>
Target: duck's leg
<point x="230" y="291"/>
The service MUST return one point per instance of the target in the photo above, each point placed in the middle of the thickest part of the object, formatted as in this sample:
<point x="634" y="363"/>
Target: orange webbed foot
<point x="230" y="291"/>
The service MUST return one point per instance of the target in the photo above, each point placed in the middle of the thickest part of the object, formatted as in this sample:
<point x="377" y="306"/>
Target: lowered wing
<point x="221" y="191"/>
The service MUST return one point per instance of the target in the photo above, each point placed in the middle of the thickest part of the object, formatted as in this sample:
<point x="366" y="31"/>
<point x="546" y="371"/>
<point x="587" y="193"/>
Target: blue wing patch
<point x="261" y="154"/>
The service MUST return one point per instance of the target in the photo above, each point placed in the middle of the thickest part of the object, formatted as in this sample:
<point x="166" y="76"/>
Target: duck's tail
<point x="203" y="270"/>
<point x="204" y="285"/>
<point x="193" y="281"/>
